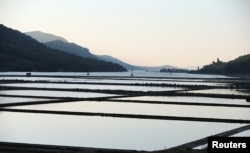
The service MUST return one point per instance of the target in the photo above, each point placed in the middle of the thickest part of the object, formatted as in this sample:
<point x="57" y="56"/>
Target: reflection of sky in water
<point x="54" y="93"/>
<point x="4" y="100"/>
<point x="221" y="91"/>
<point x="122" y="74"/>
<point x="94" y="87"/>
<point x="107" y="132"/>
<point x="121" y="77"/>
<point x="119" y="80"/>
<point x="148" y="81"/>
<point x="242" y="134"/>
<point x="34" y="79"/>
<point x="103" y="132"/>
<point x="189" y="99"/>
<point x="146" y="109"/>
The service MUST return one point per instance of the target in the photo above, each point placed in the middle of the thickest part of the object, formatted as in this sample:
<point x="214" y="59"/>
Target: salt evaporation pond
<point x="8" y="100"/>
<point x="103" y="132"/>
<point x="92" y="86"/>
<point x="145" y="109"/>
<point x="45" y="93"/>
<point x="109" y="132"/>
<point x="221" y="91"/>
<point x="188" y="99"/>
<point x="120" y="74"/>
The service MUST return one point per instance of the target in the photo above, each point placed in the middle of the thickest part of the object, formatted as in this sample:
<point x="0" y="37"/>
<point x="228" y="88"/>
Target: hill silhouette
<point x="44" y="37"/>
<point x="20" y="52"/>
<point x="58" y="42"/>
<point x="70" y="48"/>
<point x="240" y="65"/>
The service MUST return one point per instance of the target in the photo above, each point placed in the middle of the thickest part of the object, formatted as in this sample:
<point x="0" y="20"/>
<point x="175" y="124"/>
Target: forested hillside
<point x="70" y="48"/>
<point x="19" y="52"/>
<point x="240" y="65"/>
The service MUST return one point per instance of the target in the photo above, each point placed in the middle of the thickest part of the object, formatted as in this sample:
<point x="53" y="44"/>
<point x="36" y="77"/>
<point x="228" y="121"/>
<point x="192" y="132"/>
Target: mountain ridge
<point x="70" y="48"/>
<point x="118" y="61"/>
<point x="44" y="37"/>
<point x="239" y="65"/>
<point x="20" y="52"/>
<point x="84" y="52"/>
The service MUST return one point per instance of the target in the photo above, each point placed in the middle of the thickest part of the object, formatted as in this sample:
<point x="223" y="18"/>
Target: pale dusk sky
<point x="181" y="33"/>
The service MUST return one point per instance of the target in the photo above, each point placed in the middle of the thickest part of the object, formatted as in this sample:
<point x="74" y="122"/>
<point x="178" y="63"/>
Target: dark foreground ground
<point x="34" y="148"/>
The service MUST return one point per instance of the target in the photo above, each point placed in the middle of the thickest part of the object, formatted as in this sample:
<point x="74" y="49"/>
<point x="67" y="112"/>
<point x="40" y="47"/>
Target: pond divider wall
<point x="136" y="116"/>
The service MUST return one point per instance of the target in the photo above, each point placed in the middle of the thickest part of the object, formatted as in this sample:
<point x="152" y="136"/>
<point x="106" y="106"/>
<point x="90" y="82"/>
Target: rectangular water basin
<point x="188" y="99"/>
<point x="145" y="109"/>
<point x="93" y="86"/>
<point x="103" y="132"/>
<point x="59" y="94"/>
<point x="9" y="100"/>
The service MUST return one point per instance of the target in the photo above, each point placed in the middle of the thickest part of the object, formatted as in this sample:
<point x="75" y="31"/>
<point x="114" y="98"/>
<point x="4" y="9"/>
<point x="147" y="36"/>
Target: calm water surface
<point x="92" y="86"/>
<point x="146" y="109"/>
<point x="108" y="132"/>
<point x="221" y="91"/>
<point x="121" y="74"/>
<point x="242" y="134"/>
<point x="189" y="99"/>
<point x="54" y="93"/>
<point x="4" y="100"/>
<point x="103" y="132"/>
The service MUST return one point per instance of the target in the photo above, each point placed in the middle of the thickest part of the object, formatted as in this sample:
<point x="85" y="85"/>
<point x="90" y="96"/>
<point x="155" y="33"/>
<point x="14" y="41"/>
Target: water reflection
<point x="54" y="93"/>
<point x="121" y="74"/>
<point x="188" y="99"/>
<point x="146" y="109"/>
<point x="242" y="134"/>
<point x="103" y="132"/>
<point x="221" y="91"/>
<point x="108" y="132"/>
<point x="120" y="80"/>
<point x="92" y="86"/>
<point x="5" y="100"/>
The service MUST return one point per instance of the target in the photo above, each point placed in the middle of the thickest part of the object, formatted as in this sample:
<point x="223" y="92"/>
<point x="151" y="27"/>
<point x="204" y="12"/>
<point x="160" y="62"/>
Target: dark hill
<point x="70" y="48"/>
<point x="58" y="42"/>
<point x="240" y="65"/>
<point x="20" y="52"/>
<point x="115" y="60"/>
